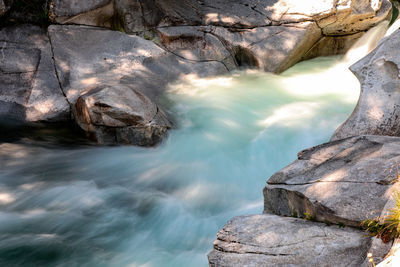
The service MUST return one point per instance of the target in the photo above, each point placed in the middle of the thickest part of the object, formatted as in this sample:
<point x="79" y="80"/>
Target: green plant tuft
<point x="387" y="228"/>
<point x="309" y="217"/>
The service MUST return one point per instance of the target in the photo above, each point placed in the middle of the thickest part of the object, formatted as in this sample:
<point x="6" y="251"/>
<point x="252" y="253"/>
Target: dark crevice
<point x="53" y="57"/>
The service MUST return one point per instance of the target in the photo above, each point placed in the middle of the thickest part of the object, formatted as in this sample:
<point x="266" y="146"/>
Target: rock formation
<point x="378" y="109"/>
<point x="120" y="114"/>
<point x="44" y="75"/>
<point x="344" y="182"/>
<point x="270" y="240"/>
<point x="29" y="89"/>
<point x="250" y="31"/>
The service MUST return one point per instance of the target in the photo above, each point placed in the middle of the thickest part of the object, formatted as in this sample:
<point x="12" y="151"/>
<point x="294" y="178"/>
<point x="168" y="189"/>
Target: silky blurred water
<point x="82" y="205"/>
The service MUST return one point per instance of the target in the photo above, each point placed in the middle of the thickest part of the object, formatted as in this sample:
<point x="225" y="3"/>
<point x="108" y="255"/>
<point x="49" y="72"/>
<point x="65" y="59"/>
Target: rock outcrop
<point x="270" y="240"/>
<point x="122" y="115"/>
<point x="345" y="181"/>
<point x="29" y="89"/>
<point x="333" y="17"/>
<point x="240" y="33"/>
<point x="340" y="183"/>
<point x="87" y="57"/>
<point x="89" y="12"/>
<point x="378" y="109"/>
<point x="271" y="35"/>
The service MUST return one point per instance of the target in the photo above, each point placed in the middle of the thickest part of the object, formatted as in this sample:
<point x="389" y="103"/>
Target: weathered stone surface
<point x="378" y="109"/>
<point x="119" y="114"/>
<point x="92" y="12"/>
<point x="4" y="6"/>
<point x="269" y="240"/>
<point x="87" y="57"/>
<point x="29" y="89"/>
<point x="345" y="181"/>
<point x="333" y="17"/>
<point x="195" y="43"/>
<point x="273" y="35"/>
<point x="273" y="48"/>
<point x="393" y="259"/>
<point x="332" y="45"/>
<point x="139" y="15"/>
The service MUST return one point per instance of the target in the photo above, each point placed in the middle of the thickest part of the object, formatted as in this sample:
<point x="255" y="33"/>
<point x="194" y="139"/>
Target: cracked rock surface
<point x="87" y="57"/>
<point x="330" y="15"/>
<point x="251" y="31"/>
<point x="88" y="12"/>
<point x="345" y="181"/>
<point x="270" y="240"/>
<point x="378" y="108"/>
<point x="29" y="89"/>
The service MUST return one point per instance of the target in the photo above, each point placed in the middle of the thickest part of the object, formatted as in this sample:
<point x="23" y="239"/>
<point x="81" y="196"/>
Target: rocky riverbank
<point x="48" y="73"/>
<point x="335" y="186"/>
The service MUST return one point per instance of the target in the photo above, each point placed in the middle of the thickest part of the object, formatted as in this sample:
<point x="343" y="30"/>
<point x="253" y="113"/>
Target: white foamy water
<point x="130" y="206"/>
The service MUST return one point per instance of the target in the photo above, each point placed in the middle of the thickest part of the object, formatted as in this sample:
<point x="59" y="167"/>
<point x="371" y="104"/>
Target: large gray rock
<point x="273" y="48"/>
<point x="271" y="35"/>
<point x="378" y="108"/>
<point x="263" y="47"/>
<point x="119" y="114"/>
<point x="345" y="181"/>
<point x="196" y="43"/>
<point x="87" y="57"/>
<point x="269" y="240"/>
<point x="29" y="89"/>
<point x="333" y="17"/>
<point x="88" y="12"/>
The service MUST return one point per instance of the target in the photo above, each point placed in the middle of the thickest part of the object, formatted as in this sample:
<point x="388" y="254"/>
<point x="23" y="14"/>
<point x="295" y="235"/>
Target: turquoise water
<point x="63" y="205"/>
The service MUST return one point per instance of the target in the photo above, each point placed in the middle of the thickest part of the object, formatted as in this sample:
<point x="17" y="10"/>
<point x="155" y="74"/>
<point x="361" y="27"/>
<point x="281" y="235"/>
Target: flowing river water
<point x="67" y="203"/>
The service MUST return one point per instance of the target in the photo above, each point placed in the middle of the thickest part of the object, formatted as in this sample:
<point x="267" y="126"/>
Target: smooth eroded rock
<point x="29" y="89"/>
<point x="120" y="114"/>
<point x="88" y="56"/>
<point x="270" y="240"/>
<point x="378" y="108"/>
<point x="345" y="181"/>
<point x="333" y="17"/>
<point x="89" y="12"/>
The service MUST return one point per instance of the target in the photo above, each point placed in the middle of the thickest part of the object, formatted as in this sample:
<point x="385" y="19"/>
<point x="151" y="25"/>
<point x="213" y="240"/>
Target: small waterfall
<point x="366" y="43"/>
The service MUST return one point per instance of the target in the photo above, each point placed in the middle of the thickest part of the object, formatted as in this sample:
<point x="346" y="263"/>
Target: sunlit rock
<point x="29" y="89"/>
<point x="120" y="114"/>
<point x="377" y="111"/>
<point x="345" y="181"/>
<point x="88" y="56"/>
<point x="269" y="240"/>
<point x="195" y="43"/>
<point x="88" y="12"/>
